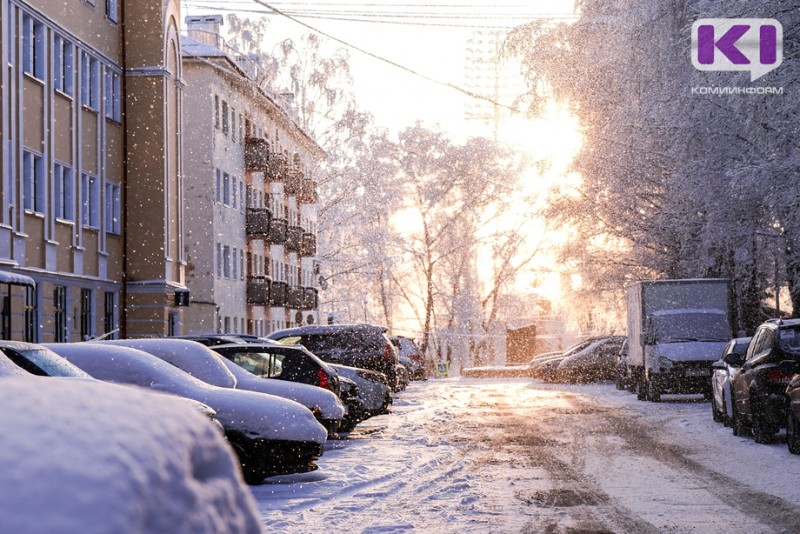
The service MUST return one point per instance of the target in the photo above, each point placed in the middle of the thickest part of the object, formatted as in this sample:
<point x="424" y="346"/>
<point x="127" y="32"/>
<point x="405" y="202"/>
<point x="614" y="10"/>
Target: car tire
<point x="792" y="432"/>
<point x="726" y="421"/>
<point x="763" y="432"/>
<point x="653" y="390"/>
<point x="716" y="415"/>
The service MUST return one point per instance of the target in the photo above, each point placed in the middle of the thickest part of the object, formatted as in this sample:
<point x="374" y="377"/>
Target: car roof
<point x="327" y="329"/>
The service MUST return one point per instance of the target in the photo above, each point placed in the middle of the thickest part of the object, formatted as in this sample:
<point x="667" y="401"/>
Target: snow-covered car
<point x="9" y="368"/>
<point x="209" y="366"/>
<point x="270" y="435"/>
<point x="373" y="388"/>
<point x="403" y="377"/>
<point x="39" y="360"/>
<point x="723" y="370"/>
<point x="86" y="456"/>
<point x="594" y="363"/>
<point x="410" y="357"/>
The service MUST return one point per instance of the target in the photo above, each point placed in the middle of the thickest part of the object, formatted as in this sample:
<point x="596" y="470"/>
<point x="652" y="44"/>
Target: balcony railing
<point x="308" y="192"/>
<point x="295" y="298"/>
<point x="256" y="154"/>
<point x="308" y="246"/>
<point x="278" y="231"/>
<point x="310" y="298"/>
<point x="294" y="183"/>
<point x="294" y="238"/>
<point x="258" y="290"/>
<point x="279" y="294"/>
<point x="277" y="170"/>
<point x="258" y="221"/>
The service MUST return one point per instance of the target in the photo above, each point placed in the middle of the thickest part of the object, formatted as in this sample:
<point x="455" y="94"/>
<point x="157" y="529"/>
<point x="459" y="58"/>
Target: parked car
<point x="793" y="411"/>
<point x="365" y="393"/>
<point x="410" y="357"/>
<point x="360" y="345"/>
<point x="87" y="456"/>
<point x="545" y="366"/>
<point x="209" y="366"/>
<point x="621" y="381"/>
<point x="403" y="377"/>
<point x="9" y="368"/>
<point x="723" y="369"/>
<point x="39" y="360"/>
<point x="758" y="388"/>
<point x="270" y="435"/>
<point x="594" y="363"/>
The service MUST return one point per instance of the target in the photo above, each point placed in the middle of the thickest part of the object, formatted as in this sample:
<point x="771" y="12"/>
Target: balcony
<point x="294" y="183"/>
<point x="258" y="290"/>
<point x="278" y="169"/>
<point x="308" y="192"/>
<point x="258" y="221"/>
<point x="279" y="294"/>
<point x="308" y="246"/>
<point x="278" y="232"/>
<point x="310" y="298"/>
<point x="256" y="154"/>
<point x="294" y="238"/>
<point x="295" y="298"/>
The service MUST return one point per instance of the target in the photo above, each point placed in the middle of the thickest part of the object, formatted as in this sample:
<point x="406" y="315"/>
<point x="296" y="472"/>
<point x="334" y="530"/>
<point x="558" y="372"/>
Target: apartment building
<point x="251" y="213"/>
<point x="90" y="226"/>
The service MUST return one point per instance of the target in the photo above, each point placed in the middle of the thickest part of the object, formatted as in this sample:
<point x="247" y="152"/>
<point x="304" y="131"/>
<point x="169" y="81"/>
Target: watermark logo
<point x="754" y="45"/>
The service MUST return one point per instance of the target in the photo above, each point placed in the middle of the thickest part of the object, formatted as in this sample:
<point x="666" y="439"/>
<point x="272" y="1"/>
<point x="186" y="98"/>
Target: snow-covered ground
<point x="519" y="455"/>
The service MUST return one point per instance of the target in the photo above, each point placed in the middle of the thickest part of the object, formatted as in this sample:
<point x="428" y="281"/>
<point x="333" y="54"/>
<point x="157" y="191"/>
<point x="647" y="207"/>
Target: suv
<point x="410" y="357"/>
<point x="359" y="345"/>
<point x="758" y="388"/>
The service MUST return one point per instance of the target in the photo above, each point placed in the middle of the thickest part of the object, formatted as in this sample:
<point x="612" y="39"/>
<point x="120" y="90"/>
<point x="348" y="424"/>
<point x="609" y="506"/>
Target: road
<point x="517" y="455"/>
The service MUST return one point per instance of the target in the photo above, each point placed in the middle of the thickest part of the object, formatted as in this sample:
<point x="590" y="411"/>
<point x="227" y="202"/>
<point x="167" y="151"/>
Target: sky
<point x="427" y="38"/>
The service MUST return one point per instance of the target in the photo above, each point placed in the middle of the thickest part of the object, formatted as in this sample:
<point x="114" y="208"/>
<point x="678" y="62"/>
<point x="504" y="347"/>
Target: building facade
<point x="90" y="227"/>
<point x="251" y="213"/>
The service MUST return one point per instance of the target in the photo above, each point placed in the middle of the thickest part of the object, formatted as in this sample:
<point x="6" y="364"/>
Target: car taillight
<point x="387" y="352"/>
<point x="322" y="376"/>
<point x="417" y="357"/>
<point x="777" y="376"/>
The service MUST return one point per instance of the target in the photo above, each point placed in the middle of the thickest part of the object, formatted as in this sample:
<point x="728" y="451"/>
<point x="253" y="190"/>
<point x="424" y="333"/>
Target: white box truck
<point x="676" y="330"/>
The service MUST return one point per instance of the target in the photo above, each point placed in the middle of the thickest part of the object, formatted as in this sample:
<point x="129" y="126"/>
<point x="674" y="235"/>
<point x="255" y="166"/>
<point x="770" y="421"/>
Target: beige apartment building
<point x="250" y="214"/>
<point x="91" y="239"/>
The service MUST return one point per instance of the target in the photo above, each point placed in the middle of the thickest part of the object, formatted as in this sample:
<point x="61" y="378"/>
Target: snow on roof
<point x="7" y="277"/>
<point x="309" y="396"/>
<point x="255" y="414"/>
<point x="82" y="456"/>
<point x="190" y="356"/>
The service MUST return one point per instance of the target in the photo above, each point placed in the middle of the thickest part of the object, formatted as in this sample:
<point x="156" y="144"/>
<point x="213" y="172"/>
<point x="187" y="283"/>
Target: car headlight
<point x="665" y="363"/>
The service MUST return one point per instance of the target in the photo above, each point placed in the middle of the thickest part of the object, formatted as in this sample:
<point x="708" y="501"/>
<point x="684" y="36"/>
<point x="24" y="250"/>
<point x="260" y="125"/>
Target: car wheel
<point x="653" y="390"/>
<point x="792" y="433"/>
<point x="715" y="413"/>
<point x="763" y="432"/>
<point x="726" y="421"/>
<point x="737" y="424"/>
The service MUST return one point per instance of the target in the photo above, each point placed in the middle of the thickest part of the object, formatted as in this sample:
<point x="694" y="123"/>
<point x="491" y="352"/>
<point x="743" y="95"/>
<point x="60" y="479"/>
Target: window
<point x="249" y="198"/>
<point x="63" y="65"/>
<point x="64" y="201"/>
<point x="113" y="208"/>
<point x="31" y="316"/>
<point x="241" y="130"/>
<point x="60" y="314"/>
<point x="111" y="10"/>
<point x="233" y="125"/>
<point x="235" y="264"/>
<point x="109" y="314"/>
<point x="219" y="186"/>
<point x="226" y="189"/>
<point x="112" y="95"/>
<point x="233" y="192"/>
<point x="241" y="196"/>
<point x="216" y="111"/>
<point x="90" y="201"/>
<point x="226" y="261"/>
<point x="33" y="47"/>
<point x="219" y="260"/>
<point x="225" y="117"/>
<point x="241" y="264"/>
<point x="33" y="182"/>
<point x="90" y="81"/>
<point x="86" y="314"/>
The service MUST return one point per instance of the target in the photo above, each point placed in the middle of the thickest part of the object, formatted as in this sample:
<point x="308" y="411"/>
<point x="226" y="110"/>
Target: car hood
<point x="692" y="350"/>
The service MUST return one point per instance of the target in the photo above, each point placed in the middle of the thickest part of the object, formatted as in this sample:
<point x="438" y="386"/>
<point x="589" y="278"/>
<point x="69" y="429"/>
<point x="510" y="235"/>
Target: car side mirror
<point x="719" y="364"/>
<point x="789" y="367"/>
<point x="733" y="359"/>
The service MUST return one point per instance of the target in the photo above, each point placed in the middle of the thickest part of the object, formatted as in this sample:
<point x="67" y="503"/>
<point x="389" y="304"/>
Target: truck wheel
<point x="653" y="390"/>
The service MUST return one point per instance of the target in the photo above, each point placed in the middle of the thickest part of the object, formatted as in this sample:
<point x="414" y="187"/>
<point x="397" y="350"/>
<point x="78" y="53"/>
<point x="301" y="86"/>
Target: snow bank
<point x="84" y="456"/>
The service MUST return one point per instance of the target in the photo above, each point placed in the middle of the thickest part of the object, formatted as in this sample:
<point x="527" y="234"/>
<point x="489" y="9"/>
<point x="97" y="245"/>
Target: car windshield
<point x="675" y="328"/>
<point x="52" y="364"/>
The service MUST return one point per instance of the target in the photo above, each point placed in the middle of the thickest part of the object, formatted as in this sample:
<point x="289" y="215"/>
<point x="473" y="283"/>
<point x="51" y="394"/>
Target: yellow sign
<point x="442" y="369"/>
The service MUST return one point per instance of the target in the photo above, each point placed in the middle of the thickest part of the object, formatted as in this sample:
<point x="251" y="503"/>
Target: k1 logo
<point x="755" y="45"/>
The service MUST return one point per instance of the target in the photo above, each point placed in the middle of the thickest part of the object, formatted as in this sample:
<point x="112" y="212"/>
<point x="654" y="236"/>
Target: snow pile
<point x="79" y="455"/>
